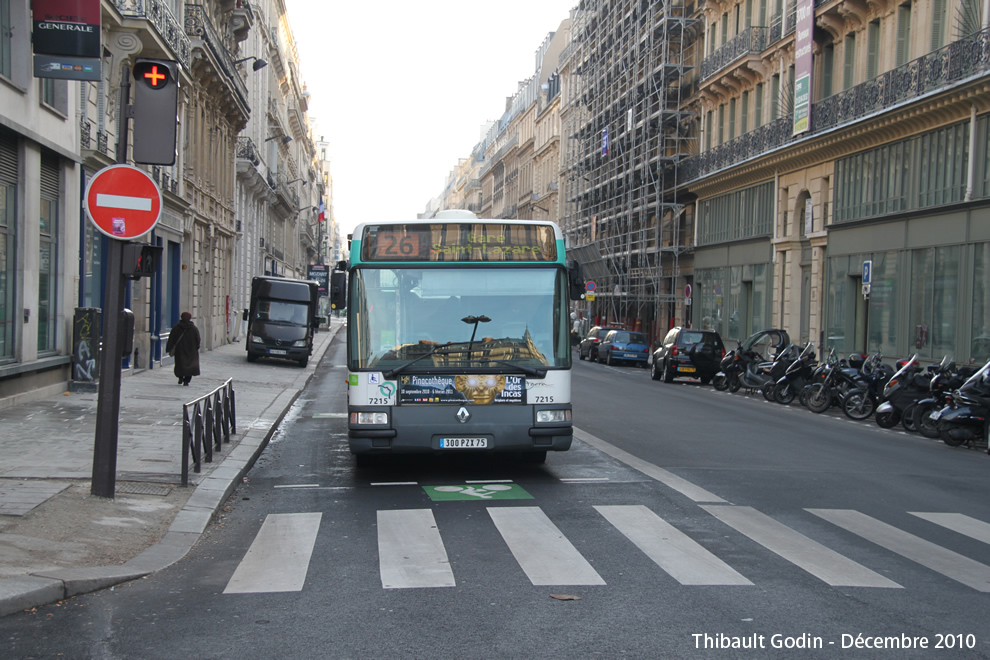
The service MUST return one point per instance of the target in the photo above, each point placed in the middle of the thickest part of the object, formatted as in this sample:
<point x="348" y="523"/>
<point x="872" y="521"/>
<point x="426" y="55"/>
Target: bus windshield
<point x="466" y="318"/>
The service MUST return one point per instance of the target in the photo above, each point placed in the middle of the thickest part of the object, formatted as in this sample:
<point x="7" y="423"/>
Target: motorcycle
<point x="796" y="376"/>
<point x="873" y="376"/>
<point x="746" y="366"/>
<point x="901" y="394"/>
<point x="946" y="380"/>
<point x="965" y="419"/>
<point x="839" y="380"/>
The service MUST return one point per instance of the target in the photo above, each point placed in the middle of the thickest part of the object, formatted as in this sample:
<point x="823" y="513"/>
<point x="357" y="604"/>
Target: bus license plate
<point x="463" y="443"/>
<point x="276" y="351"/>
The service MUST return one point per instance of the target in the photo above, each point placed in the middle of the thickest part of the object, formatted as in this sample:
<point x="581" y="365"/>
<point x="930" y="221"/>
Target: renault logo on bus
<point x="463" y="415"/>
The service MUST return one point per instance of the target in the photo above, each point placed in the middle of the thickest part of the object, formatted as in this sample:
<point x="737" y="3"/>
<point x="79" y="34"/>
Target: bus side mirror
<point x="244" y="315"/>
<point x="575" y="282"/>
<point x="338" y="289"/>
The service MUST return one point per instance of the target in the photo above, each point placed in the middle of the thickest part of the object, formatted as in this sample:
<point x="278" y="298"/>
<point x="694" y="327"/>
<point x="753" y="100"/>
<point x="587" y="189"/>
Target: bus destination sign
<point x="459" y="242"/>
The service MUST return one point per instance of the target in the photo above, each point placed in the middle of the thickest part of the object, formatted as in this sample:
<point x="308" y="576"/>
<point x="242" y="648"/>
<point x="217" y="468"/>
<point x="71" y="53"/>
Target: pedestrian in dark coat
<point x="183" y="344"/>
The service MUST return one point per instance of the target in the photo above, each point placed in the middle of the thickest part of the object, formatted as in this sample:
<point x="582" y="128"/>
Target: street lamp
<point x="258" y="62"/>
<point x="286" y="139"/>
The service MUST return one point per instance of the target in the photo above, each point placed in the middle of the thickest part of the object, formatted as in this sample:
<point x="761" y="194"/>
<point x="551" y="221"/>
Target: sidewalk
<point x="57" y="540"/>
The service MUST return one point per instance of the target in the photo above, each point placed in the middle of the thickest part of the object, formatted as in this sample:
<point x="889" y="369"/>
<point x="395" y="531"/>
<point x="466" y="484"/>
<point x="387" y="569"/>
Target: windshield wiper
<point x="392" y="373"/>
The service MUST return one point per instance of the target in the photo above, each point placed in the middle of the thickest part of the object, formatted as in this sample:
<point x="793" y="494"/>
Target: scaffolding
<point x="628" y="128"/>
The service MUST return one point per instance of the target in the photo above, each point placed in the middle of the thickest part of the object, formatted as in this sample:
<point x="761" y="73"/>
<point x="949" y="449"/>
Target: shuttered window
<point x="48" y="253"/>
<point x="8" y="242"/>
<point x="903" y="34"/>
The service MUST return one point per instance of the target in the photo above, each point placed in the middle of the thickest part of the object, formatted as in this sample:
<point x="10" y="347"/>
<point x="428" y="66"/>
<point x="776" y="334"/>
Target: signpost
<point x="123" y="202"/>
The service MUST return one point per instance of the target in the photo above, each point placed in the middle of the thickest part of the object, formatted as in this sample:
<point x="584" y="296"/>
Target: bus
<point x="458" y="337"/>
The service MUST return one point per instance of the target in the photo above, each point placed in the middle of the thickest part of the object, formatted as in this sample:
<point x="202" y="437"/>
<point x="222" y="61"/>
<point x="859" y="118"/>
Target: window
<point x="873" y="49"/>
<point x="980" y="346"/>
<point x="758" y="107"/>
<point x="903" y="34"/>
<point x="721" y="124"/>
<point x="849" y="62"/>
<point x="708" y="131"/>
<point x="828" y="65"/>
<point x="48" y="253"/>
<point x="775" y="97"/>
<point x="744" y="115"/>
<point x="732" y="119"/>
<point x="8" y="243"/>
<point x="938" y="24"/>
<point x="5" y="39"/>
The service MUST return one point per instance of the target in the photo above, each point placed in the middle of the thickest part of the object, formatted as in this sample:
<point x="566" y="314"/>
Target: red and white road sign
<point x="123" y="202"/>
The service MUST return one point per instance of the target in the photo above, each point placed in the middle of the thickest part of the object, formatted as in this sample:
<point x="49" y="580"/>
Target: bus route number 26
<point x="398" y="245"/>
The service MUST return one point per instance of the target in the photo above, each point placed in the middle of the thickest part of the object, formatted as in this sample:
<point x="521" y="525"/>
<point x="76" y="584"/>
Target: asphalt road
<point x="684" y="523"/>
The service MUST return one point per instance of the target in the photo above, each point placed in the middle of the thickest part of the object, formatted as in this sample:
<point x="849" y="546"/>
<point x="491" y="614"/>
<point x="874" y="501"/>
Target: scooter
<point x="965" y="419"/>
<point x="859" y="403"/>
<point x="903" y="392"/>
<point x="796" y="376"/>
<point x="947" y="380"/>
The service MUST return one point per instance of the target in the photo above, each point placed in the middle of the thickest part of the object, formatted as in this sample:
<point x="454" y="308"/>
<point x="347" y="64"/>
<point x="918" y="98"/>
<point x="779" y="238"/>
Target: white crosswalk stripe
<point x="941" y="560"/>
<point x="412" y="554"/>
<point x="410" y="551"/>
<point x="957" y="522"/>
<point x="278" y="558"/>
<point x="544" y="554"/>
<point x="825" y="564"/>
<point x="680" y="556"/>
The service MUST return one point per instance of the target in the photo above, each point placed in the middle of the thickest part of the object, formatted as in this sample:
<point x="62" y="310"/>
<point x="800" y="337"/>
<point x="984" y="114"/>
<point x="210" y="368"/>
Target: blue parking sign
<point x="867" y="271"/>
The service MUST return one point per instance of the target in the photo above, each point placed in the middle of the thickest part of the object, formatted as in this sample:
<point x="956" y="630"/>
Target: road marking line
<point x="583" y="479"/>
<point x="682" y="486"/>
<point x="394" y="483"/>
<point x="342" y="415"/>
<point x="941" y="560"/>
<point x="410" y="551"/>
<point x="297" y="486"/>
<point x="825" y="564"/>
<point x="490" y="481"/>
<point x="680" y="556"/>
<point x="123" y="202"/>
<point x="957" y="522"/>
<point x="544" y="554"/>
<point x="278" y="558"/>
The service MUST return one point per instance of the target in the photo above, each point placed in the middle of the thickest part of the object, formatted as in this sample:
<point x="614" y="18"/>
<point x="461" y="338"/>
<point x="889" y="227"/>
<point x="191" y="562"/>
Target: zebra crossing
<point x="412" y="553"/>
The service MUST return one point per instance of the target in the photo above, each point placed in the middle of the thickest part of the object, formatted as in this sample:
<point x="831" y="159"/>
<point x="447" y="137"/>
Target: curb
<point x="41" y="588"/>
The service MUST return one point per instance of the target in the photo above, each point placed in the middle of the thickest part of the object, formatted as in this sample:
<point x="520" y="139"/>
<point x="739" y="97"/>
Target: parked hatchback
<point x="624" y="346"/>
<point x="588" y="348"/>
<point x="685" y="352"/>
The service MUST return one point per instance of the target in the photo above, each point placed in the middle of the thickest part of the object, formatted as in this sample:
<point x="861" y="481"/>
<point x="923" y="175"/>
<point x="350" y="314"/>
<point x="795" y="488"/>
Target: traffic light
<point x="140" y="260"/>
<point x="156" y="98"/>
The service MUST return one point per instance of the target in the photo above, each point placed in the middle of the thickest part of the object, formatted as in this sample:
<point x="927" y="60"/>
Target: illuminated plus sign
<point x="154" y="75"/>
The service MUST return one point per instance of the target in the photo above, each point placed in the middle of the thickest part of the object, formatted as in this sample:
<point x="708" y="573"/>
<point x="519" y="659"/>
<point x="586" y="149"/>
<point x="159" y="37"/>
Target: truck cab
<point x="282" y="319"/>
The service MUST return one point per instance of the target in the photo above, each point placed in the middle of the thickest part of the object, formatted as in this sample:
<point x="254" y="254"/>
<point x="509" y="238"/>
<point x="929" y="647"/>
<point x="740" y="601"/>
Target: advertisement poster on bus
<point x="480" y="389"/>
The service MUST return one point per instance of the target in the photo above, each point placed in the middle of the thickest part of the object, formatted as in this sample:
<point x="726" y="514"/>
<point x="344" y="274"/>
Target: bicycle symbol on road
<point x="484" y="492"/>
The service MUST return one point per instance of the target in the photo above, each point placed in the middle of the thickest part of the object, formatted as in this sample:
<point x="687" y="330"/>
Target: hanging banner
<point x="66" y="39"/>
<point x="803" y="63"/>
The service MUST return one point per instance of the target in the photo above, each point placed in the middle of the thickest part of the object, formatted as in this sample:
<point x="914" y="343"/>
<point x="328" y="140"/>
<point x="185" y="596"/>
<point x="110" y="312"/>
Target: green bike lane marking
<point x="495" y="491"/>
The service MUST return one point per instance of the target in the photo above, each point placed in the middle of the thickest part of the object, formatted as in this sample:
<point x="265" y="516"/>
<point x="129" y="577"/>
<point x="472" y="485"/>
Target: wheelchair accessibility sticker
<point x="477" y="492"/>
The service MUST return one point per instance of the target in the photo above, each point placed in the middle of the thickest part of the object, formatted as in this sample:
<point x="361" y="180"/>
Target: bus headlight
<point x="552" y="416"/>
<point x="378" y="418"/>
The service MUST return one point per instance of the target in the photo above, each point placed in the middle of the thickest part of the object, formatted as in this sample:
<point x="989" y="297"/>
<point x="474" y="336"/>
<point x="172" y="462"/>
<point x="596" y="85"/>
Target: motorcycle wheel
<point x="909" y="421"/>
<point x="734" y="382"/>
<point x="858" y="405"/>
<point x="783" y="393"/>
<point x="927" y="426"/>
<point x="949" y="440"/>
<point x="768" y="391"/>
<point x="720" y="383"/>
<point x="888" y="420"/>
<point x="819" y="398"/>
<point x="803" y="395"/>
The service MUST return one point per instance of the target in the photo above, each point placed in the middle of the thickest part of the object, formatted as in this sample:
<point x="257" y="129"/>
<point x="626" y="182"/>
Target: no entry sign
<point x="123" y="202"/>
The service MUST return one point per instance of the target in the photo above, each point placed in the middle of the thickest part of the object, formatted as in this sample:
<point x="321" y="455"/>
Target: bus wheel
<point x="303" y="362"/>
<point x="535" y="457"/>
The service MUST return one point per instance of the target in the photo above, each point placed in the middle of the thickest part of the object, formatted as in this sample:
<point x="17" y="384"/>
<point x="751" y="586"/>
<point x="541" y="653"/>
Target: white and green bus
<point x="458" y="337"/>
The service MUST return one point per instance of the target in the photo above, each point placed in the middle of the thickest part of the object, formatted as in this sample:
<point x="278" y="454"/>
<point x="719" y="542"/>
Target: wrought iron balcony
<point x="937" y="71"/>
<point x="159" y="15"/>
<point x="199" y="26"/>
<point x="246" y="150"/>
<point x="751" y="41"/>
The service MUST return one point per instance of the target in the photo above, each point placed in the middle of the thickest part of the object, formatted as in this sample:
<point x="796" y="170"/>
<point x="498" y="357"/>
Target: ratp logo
<point x="387" y="389"/>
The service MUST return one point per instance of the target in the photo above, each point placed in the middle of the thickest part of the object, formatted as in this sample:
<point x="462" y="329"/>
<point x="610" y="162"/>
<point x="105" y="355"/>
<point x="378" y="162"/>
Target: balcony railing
<point x="159" y="15"/>
<point x="246" y="150"/>
<point x="959" y="61"/>
<point x="199" y="25"/>
<point x="749" y="42"/>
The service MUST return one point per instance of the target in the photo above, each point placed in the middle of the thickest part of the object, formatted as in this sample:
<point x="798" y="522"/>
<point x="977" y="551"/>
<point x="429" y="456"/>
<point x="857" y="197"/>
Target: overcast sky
<point x="401" y="89"/>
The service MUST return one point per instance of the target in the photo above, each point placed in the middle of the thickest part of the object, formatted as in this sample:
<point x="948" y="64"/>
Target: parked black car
<point x="588" y="348"/>
<point x="687" y="352"/>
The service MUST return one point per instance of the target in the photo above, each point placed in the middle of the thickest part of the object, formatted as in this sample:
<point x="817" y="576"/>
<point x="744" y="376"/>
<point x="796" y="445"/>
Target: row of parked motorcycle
<point x="941" y="401"/>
